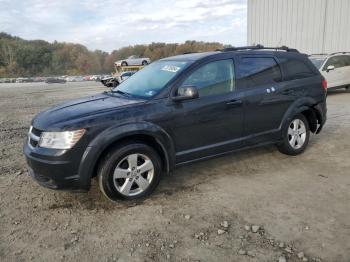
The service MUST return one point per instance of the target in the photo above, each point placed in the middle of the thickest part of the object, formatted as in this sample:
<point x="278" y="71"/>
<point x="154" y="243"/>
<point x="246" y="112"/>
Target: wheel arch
<point x="305" y="106"/>
<point x="145" y="132"/>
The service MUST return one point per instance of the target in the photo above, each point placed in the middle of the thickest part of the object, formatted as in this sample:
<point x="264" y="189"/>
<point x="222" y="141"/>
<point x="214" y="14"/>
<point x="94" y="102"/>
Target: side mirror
<point x="330" y="67"/>
<point x="186" y="93"/>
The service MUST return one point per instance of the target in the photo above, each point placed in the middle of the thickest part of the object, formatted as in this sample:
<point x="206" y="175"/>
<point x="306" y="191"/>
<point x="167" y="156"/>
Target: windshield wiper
<point x="121" y="92"/>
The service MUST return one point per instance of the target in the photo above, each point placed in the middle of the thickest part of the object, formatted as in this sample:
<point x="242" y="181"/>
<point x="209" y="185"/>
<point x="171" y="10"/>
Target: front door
<point x="212" y="123"/>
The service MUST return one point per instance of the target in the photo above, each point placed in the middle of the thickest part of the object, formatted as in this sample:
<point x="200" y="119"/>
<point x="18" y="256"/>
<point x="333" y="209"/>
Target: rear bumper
<point x="58" y="173"/>
<point x="321" y="112"/>
<point x="337" y="87"/>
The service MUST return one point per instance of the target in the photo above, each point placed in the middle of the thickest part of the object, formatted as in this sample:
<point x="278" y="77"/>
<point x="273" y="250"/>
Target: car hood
<point x="80" y="108"/>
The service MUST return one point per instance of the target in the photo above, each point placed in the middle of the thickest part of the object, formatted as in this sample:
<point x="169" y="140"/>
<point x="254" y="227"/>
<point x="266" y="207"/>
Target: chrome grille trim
<point x="33" y="139"/>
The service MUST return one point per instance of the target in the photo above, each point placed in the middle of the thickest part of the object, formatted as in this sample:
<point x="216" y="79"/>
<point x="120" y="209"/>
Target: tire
<point x="120" y="180"/>
<point x="115" y="84"/>
<point x="291" y="134"/>
<point x="144" y="62"/>
<point x="124" y="64"/>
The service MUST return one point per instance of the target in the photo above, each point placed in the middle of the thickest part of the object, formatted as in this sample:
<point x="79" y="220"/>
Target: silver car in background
<point x="133" y="60"/>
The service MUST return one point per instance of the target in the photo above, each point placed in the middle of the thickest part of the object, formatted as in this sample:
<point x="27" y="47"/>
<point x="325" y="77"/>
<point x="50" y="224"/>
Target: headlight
<point x="60" y="140"/>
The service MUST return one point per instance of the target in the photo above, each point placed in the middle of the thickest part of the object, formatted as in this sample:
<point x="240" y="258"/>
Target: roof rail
<point x="318" y="54"/>
<point x="339" y="53"/>
<point x="259" y="47"/>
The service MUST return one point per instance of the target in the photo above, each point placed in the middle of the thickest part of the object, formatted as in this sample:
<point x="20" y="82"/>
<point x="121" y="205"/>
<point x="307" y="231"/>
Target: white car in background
<point x="125" y="75"/>
<point x="334" y="67"/>
<point x="114" y="81"/>
<point x="133" y="60"/>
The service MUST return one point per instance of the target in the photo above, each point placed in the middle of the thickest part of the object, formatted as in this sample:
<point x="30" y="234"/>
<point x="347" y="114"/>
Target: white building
<point x="311" y="26"/>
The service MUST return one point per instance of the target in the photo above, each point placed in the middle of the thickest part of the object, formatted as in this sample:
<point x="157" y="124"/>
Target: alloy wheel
<point x="297" y="134"/>
<point x="133" y="174"/>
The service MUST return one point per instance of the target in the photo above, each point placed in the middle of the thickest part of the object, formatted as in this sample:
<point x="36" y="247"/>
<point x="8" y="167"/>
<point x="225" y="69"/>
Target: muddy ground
<point x="302" y="204"/>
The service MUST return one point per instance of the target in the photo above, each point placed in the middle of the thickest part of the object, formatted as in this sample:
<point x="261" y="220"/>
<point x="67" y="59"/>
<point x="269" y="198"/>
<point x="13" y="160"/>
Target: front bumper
<point x="59" y="171"/>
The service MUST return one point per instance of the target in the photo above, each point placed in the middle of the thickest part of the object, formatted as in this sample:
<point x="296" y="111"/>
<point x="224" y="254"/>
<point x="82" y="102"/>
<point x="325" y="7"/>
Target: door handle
<point x="288" y="92"/>
<point x="234" y="102"/>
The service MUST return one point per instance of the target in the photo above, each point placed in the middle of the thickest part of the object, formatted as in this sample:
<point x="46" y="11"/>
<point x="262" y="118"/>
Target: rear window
<point x="259" y="70"/>
<point x="317" y="61"/>
<point x="295" y="69"/>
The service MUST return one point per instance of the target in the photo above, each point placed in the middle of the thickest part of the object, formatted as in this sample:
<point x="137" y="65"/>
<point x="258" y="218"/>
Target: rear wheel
<point x="129" y="172"/>
<point x="144" y="62"/>
<point x="295" y="136"/>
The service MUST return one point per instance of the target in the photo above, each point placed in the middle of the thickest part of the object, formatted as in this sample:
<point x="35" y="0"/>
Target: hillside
<point x="20" y="57"/>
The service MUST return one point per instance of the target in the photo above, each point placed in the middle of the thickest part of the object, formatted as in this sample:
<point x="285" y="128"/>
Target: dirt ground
<point x="302" y="204"/>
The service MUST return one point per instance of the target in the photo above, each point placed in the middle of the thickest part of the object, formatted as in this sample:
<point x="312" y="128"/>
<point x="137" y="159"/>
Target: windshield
<point x="317" y="62"/>
<point x="152" y="79"/>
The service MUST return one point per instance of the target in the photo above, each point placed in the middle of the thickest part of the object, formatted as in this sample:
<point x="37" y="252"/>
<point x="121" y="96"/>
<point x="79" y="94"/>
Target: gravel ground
<point x="257" y="205"/>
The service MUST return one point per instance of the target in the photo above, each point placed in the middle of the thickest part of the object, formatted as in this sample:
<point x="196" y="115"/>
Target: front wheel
<point x="144" y="63"/>
<point x="295" y="136"/>
<point x="124" y="64"/>
<point x="129" y="172"/>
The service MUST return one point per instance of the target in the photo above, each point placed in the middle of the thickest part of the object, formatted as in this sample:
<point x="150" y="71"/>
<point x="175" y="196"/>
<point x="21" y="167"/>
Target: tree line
<point x="26" y="58"/>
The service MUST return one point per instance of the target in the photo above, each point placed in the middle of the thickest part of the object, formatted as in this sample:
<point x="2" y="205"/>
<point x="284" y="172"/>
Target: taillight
<point x="324" y="84"/>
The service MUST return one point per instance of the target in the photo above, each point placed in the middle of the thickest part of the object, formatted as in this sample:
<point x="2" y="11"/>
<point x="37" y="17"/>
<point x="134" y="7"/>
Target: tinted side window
<point x="259" y="70"/>
<point x="213" y="78"/>
<point x="337" y="61"/>
<point x="295" y="69"/>
<point x="347" y="60"/>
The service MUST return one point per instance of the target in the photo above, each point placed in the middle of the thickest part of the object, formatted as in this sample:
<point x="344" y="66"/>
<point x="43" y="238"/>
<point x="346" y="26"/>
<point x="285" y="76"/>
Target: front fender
<point x="118" y="132"/>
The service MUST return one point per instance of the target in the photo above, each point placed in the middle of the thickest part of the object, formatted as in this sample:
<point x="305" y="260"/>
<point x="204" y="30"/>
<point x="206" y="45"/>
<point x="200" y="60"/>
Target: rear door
<point x="344" y="70"/>
<point x="134" y="60"/>
<point x="260" y="79"/>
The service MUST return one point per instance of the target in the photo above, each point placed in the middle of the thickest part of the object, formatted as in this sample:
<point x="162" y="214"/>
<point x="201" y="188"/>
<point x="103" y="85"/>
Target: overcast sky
<point x="110" y="24"/>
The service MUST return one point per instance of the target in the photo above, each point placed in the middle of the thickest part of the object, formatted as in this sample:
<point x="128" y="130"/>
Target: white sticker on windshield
<point x="150" y="93"/>
<point x="171" y="68"/>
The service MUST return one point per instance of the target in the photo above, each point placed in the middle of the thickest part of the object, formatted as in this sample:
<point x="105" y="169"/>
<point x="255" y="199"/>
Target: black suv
<point x="175" y="111"/>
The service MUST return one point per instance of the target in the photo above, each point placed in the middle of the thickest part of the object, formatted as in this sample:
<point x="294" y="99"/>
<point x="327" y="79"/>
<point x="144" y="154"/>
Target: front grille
<point x="33" y="143"/>
<point x="36" y="132"/>
<point x="34" y="136"/>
